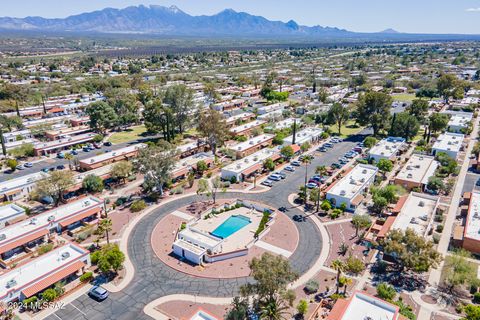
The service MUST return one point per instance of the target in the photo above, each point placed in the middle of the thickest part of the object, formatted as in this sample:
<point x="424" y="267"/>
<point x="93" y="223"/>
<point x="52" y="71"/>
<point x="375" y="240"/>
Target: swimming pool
<point x="230" y="226"/>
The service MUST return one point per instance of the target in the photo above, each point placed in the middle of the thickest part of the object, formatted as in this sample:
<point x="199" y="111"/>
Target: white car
<point x="289" y="168"/>
<point x="267" y="183"/>
<point x="274" y="177"/>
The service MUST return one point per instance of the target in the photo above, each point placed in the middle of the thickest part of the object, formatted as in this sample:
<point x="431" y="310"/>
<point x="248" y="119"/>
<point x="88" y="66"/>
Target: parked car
<point x="295" y="163"/>
<point x="60" y="155"/>
<point x="328" y="145"/>
<point x="478" y="183"/>
<point x="60" y="167"/>
<point x="45" y="170"/>
<point x="74" y="152"/>
<point x="28" y="165"/>
<point x="336" y="165"/>
<point x="52" y="169"/>
<point x="98" y="293"/>
<point x="322" y="149"/>
<point x="312" y="185"/>
<point x="20" y="167"/>
<point x="342" y="160"/>
<point x="86" y="149"/>
<point x="97" y="146"/>
<point x="282" y="174"/>
<point x="107" y="144"/>
<point x="317" y="183"/>
<point x="274" y="177"/>
<point x="289" y="168"/>
<point x="268" y="183"/>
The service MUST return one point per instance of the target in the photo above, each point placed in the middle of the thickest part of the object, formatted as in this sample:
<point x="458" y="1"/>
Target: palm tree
<point x="69" y="157"/>
<point x="321" y="170"/>
<point x="338" y="266"/>
<point x="104" y="227"/>
<point x="345" y="281"/>
<point x="306" y="160"/>
<point x="273" y="309"/>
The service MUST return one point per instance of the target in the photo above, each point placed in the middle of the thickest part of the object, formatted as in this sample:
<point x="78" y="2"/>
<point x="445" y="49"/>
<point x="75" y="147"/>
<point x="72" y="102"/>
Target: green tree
<point x="385" y="165"/>
<point x="269" y="165"/>
<point x="110" y="258"/>
<point x="326" y="205"/>
<point x="435" y="184"/>
<point x="437" y="122"/>
<point x="412" y="252"/>
<point x="156" y="164"/>
<point x="49" y="295"/>
<point x="102" y="116"/>
<point x="386" y="292"/>
<point x="418" y="109"/>
<point x="361" y="221"/>
<point x="287" y="152"/>
<point x="369" y="142"/>
<point x="239" y="310"/>
<point x="354" y="265"/>
<point x="92" y="183"/>
<point x="458" y="271"/>
<point x="201" y="167"/>
<point x="55" y="185"/>
<point x="104" y="227"/>
<point x="373" y="109"/>
<point x="340" y="114"/>
<point x="213" y="127"/>
<point x="121" y="170"/>
<point x="446" y="84"/>
<point x="404" y="125"/>
<point x="302" y="307"/>
<point x="180" y="100"/>
<point x="12" y="164"/>
<point x="472" y="312"/>
<point x="338" y="265"/>
<point x="211" y="190"/>
<point x="25" y="150"/>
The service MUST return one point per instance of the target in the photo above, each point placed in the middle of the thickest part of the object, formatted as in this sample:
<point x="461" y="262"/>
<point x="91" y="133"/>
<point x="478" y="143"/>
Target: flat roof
<point x="250" y="143"/>
<point x="23" y="228"/>
<point x="112" y="154"/>
<point x="192" y="161"/>
<point x="472" y="224"/>
<point x="69" y="141"/>
<point x="304" y="135"/>
<point x="247" y="126"/>
<point x="460" y="119"/>
<point x="20" y="182"/>
<point x="354" y="181"/>
<point x="249" y="161"/>
<point x="287" y="123"/>
<point x="189" y="246"/>
<point x="418" y="169"/>
<point x="103" y="170"/>
<point x="239" y="116"/>
<point x="416" y="213"/>
<point x="190" y="146"/>
<point x="34" y="271"/>
<point x="200" y="237"/>
<point x="16" y="133"/>
<point x="68" y="130"/>
<point x="10" y="211"/>
<point x="362" y="306"/>
<point x="387" y="147"/>
<point x="449" y="142"/>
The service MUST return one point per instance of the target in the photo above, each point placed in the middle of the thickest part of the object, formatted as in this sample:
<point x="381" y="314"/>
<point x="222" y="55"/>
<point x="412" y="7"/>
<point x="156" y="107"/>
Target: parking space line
<point x="78" y="309"/>
<point x="57" y="316"/>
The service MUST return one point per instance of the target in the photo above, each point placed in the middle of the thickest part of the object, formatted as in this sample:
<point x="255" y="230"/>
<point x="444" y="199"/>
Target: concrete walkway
<point x="273" y="249"/>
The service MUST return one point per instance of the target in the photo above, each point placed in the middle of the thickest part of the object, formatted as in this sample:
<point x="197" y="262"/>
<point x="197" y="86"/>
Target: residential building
<point x="14" y="136"/>
<point x="244" y="116"/>
<point x="416" y="172"/>
<point x="349" y="190"/>
<point x="244" y="168"/>
<point x="459" y="121"/>
<point x="10" y="213"/>
<point x="471" y="231"/>
<point x="247" y="128"/>
<point x="66" y="132"/>
<point x="45" y="148"/>
<point x="449" y="143"/>
<point x="25" y="235"/>
<point x="310" y="135"/>
<point x="188" y="164"/>
<point x="62" y="264"/>
<point x="387" y="148"/>
<point x="252" y="145"/>
<point x="18" y="188"/>
<point x="363" y="306"/>
<point x="101" y="160"/>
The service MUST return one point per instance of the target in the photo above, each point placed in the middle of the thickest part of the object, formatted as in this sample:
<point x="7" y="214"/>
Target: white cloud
<point x="473" y="10"/>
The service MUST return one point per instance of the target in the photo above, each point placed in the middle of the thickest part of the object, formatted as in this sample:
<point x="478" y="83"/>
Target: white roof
<point x="189" y="146"/>
<point x="416" y="213"/>
<point x="10" y="211"/>
<point x="472" y="225"/>
<point x="112" y="154"/>
<point x="418" y="169"/>
<point x="449" y="142"/>
<point x="387" y="147"/>
<point x="68" y="130"/>
<point x="16" y="133"/>
<point x="355" y="181"/>
<point x="23" y="228"/>
<point x="36" y="270"/>
<point x="362" y="306"/>
<point x="239" y="116"/>
<point x="287" y="123"/>
<point x="188" y="162"/>
<point x="460" y="119"/>
<point x="250" y="143"/>
<point x="249" y="161"/>
<point x="304" y="135"/>
<point x="65" y="142"/>
<point x="247" y="126"/>
<point x="20" y="182"/>
<point x="103" y="170"/>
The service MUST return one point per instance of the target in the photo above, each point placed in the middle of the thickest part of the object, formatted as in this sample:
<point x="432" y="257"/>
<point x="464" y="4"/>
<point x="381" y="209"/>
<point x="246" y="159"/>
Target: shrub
<point x="47" y="247"/>
<point x="311" y="286"/>
<point x="177" y="190"/>
<point x="476" y="297"/>
<point x="386" y="292"/>
<point x="439" y="228"/>
<point x="436" y="238"/>
<point x="86" y="277"/>
<point x="233" y="180"/>
<point x="49" y="295"/>
<point x="263" y="223"/>
<point x="138" y="205"/>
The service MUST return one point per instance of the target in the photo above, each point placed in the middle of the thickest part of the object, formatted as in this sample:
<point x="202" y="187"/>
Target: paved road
<point x="53" y="162"/>
<point x="154" y="279"/>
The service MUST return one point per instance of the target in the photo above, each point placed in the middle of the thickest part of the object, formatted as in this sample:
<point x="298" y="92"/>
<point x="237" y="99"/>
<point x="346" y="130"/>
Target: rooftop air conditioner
<point x="65" y="255"/>
<point x="3" y="237"/>
<point x="364" y="171"/>
<point x="421" y="204"/>
<point x="11" y="283"/>
<point x="343" y="192"/>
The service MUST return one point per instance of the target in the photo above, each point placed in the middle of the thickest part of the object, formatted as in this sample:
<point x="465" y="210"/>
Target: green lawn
<point x="403" y="97"/>
<point x="128" y="135"/>
<point x="348" y="129"/>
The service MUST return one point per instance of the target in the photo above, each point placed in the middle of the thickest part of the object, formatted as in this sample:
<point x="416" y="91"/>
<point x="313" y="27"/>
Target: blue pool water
<point x="230" y="226"/>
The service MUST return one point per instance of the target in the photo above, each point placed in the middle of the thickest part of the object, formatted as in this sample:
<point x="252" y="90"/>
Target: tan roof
<point x="23" y="240"/>
<point x="79" y="217"/>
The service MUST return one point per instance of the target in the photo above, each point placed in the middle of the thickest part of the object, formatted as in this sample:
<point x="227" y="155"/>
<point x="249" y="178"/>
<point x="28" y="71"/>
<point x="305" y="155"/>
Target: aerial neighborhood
<point x="293" y="182"/>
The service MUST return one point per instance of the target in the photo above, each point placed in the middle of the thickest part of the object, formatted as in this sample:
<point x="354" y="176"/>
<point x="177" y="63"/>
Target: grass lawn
<point x="419" y="135"/>
<point x="348" y="129"/>
<point x="403" y="97"/>
<point x="128" y="135"/>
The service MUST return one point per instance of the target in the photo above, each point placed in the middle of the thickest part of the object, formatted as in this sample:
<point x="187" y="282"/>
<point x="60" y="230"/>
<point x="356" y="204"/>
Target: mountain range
<point x="171" y="21"/>
<point x="167" y="21"/>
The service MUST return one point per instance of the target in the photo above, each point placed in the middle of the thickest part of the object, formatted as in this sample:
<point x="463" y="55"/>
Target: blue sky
<point x="428" y="16"/>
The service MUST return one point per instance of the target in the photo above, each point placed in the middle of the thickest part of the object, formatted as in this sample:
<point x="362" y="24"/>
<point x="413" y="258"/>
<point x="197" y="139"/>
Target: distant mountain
<point x="390" y="31"/>
<point x="168" y="21"/>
